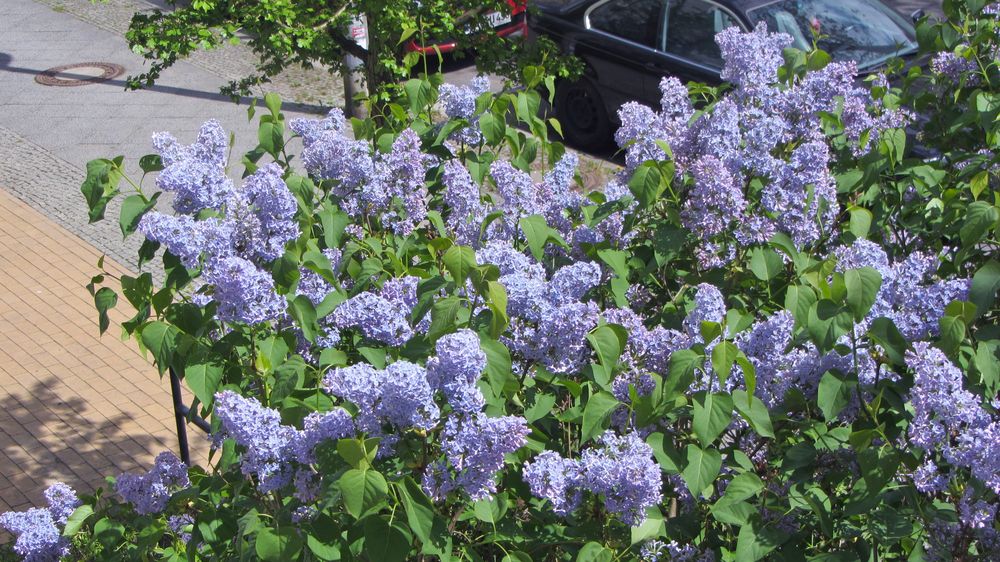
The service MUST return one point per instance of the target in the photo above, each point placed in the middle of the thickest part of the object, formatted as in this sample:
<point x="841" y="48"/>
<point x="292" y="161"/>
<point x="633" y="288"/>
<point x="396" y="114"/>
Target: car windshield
<point x="865" y="31"/>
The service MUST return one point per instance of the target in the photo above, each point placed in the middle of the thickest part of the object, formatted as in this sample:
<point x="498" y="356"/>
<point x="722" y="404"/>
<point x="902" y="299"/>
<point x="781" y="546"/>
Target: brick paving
<point x="74" y="406"/>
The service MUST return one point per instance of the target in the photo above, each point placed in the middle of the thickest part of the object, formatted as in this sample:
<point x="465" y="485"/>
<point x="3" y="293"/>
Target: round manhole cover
<point x="79" y="74"/>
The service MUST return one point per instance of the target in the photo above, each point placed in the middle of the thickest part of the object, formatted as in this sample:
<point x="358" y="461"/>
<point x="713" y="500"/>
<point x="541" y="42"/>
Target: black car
<point x="629" y="45"/>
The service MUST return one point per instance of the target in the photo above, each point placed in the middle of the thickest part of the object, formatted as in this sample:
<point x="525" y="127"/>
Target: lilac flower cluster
<point x="621" y="470"/>
<point x="258" y="429"/>
<point x="954" y="67"/>
<point x="39" y="538"/>
<point x="330" y="154"/>
<point x="253" y="226"/>
<point x="659" y="551"/>
<point x="456" y="370"/>
<point x="181" y="526"/>
<point x="549" y="320"/>
<point x="459" y="102"/>
<point x="949" y="418"/>
<point x="62" y="501"/>
<point x="376" y="317"/>
<point x="195" y="174"/>
<point x="151" y="492"/>
<point x="400" y="396"/>
<point x="244" y="292"/>
<point x="908" y="296"/>
<point x="742" y="137"/>
<point x="387" y="186"/>
<point x="474" y="447"/>
<point x="272" y="448"/>
<point x="948" y="540"/>
<point x="647" y="349"/>
<point x="520" y="196"/>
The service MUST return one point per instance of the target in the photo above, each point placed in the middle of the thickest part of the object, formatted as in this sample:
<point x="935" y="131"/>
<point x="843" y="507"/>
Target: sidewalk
<point x="75" y="407"/>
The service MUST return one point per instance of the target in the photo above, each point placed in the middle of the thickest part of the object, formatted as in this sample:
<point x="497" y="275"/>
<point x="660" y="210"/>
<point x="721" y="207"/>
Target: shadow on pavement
<point x="62" y="434"/>
<point x="5" y="66"/>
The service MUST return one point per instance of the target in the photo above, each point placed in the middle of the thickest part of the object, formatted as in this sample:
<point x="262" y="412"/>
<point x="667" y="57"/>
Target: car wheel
<point x="581" y="113"/>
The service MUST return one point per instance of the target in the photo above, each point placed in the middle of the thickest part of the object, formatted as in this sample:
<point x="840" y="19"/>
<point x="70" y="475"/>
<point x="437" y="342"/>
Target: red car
<point x="505" y="24"/>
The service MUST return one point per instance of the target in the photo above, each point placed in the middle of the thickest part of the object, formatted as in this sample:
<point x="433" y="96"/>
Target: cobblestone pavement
<point x="316" y="86"/>
<point x="74" y="406"/>
<point x="47" y="134"/>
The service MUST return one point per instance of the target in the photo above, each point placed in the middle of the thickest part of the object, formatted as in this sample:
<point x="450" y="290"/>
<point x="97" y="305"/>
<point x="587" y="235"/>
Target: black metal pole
<point x="180" y="416"/>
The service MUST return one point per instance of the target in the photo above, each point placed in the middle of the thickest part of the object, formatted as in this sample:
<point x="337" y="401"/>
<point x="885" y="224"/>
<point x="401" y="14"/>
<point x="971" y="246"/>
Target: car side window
<point x="635" y="20"/>
<point x="691" y="27"/>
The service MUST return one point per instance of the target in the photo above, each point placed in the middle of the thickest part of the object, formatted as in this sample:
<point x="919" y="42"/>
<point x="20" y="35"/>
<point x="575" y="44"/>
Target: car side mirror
<point x="917" y="15"/>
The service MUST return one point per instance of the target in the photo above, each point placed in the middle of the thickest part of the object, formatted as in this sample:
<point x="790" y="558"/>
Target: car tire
<point x="582" y="115"/>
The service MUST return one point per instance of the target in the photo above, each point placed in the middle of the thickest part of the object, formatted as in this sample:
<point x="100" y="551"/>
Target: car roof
<point x="742" y="6"/>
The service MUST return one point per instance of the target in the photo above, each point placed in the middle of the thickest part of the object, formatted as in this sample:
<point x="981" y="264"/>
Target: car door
<point x="689" y="50"/>
<point x="624" y="38"/>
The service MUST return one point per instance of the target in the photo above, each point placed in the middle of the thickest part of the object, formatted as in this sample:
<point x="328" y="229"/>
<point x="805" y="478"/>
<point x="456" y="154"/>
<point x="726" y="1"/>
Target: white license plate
<point x="497" y="19"/>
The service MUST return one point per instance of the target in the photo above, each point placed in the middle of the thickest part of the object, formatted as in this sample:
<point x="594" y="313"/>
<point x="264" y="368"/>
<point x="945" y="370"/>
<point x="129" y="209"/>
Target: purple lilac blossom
<point x="475" y="447"/>
<point x="624" y="472"/>
<point x="274" y="208"/>
<point x="559" y="341"/>
<point x="38" y="538"/>
<point x="520" y="198"/>
<point x="464" y="201"/>
<point x="181" y="525"/>
<point x="715" y="200"/>
<point x="659" y="551"/>
<point x="508" y="259"/>
<point x="570" y="283"/>
<point x="928" y="479"/>
<point x="804" y="196"/>
<point x="195" y="174"/>
<point x="329" y="154"/>
<point x="244" y="292"/>
<point x="312" y="284"/>
<point x="150" y="492"/>
<point x="456" y="369"/>
<point x="640" y="129"/>
<point x="975" y="513"/>
<point x="556" y="190"/>
<point x="620" y="468"/>
<point x="955" y="67"/>
<point x="304" y="514"/>
<point x="307" y="485"/>
<point x="319" y="427"/>
<point x="765" y="345"/>
<point x="632" y="378"/>
<point x="376" y="317"/>
<point x="400" y="175"/>
<point x="268" y="444"/>
<point x="187" y="238"/>
<point x="751" y="59"/>
<point x="651" y="347"/>
<point x="460" y="103"/>
<point x="949" y="417"/>
<point x="709" y="306"/>
<point x="361" y="385"/>
<point x="907" y="296"/>
<point x="407" y="399"/>
<point x="62" y="500"/>
<point x="399" y="395"/>
<point x="760" y="129"/>
<point x="556" y="479"/>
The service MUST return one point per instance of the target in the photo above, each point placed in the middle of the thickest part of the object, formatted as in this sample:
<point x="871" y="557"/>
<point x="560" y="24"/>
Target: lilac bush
<point x="772" y="335"/>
